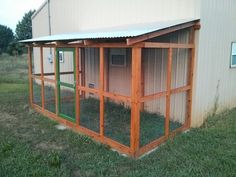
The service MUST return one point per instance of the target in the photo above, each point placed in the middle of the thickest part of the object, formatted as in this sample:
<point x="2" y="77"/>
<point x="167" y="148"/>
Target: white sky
<point x="12" y="11"/>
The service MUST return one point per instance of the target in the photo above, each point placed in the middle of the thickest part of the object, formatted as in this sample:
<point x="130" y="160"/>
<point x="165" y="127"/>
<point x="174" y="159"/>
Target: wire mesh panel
<point x="49" y="97"/>
<point x="48" y="63"/>
<point x="37" y="90"/>
<point x="117" y="66"/>
<point x="152" y="120"/>
<point x="90" y="111"/>
<point x="67" y="102"/>
<point x="180" y="68"/>
<point x="36" y="65"/>
<point x="178" y="110"/>
<point x="117" y="118"/>
<point x="89" y="66"/>
<point x="154" y="70"/>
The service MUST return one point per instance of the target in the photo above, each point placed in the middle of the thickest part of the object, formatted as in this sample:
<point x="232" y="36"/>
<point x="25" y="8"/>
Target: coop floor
<point x="117" y="119"/>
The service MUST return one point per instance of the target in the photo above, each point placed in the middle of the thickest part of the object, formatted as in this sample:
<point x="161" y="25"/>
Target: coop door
<point x="66" y="83"/>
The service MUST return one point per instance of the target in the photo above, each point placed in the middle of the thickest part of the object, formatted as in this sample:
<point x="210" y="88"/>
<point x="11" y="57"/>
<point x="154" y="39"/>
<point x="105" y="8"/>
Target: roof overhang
<point x="132" y="34"/>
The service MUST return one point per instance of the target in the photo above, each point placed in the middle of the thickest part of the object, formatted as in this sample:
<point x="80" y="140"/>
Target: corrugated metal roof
<point x="128" y="31"/>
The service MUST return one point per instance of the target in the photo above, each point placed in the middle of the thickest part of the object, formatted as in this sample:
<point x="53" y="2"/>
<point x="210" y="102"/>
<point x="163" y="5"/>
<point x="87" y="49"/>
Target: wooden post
<point x="77" y="99"/>
<point x="82" y="70"/>
<point x="55" y="76"/>
<point x="168" y="91"/>
<point x="142" y="83"/>
<point x="101" y="90"/>
<point x="30" y="75"/>
<point x="135" y="98"/>
<point x="190" y="77"/>
<point x="42" y="78"/>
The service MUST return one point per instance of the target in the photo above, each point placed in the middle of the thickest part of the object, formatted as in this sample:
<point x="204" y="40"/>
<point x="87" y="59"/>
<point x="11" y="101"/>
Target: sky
<point x="12" y="11"/>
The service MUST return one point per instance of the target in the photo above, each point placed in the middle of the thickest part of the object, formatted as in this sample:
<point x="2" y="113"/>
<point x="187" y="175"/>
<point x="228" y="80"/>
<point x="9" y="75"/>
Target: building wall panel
<point x="214" y="83"/>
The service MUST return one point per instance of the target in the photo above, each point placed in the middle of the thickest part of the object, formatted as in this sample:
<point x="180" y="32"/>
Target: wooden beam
<point x="168" y="91"/>
<point x="42" y="76"/>
<point x="101" y="90"/>
<point x="77" y="99"/>
<point x="29" y="75"/>
<point x="95" y="45"/>
<point x="142" y="82"/>
<point x="167" y="45"/>
<point x="131" y="41"/>
<point x="190" y="79"/>
<point x="135" y="97"/>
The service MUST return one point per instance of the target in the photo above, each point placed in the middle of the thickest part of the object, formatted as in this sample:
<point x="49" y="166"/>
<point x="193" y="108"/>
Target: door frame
<point x="68" y="85"/>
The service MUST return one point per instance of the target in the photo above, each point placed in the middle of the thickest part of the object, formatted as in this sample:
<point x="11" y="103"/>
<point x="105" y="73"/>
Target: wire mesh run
<point x="117" y="118"/>
<point x="37" y="90"/>
<point x="90" y="111"/>
<point x="49" y="97"/>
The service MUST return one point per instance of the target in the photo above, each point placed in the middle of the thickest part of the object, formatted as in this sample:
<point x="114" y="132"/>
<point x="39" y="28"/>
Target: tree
<point x="6" y="36"/>
<point x="24" y="27"/>
<point x="15" y="48"/>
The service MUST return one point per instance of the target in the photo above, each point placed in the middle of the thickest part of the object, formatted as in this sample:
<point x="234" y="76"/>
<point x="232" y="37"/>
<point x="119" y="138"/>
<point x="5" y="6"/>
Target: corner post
<point x="135" y="100"/>
<point x="190" y="77"/>
<point x="168" y="92"/>
<point x="30" y="75"/>
<point x="101" y="90"/>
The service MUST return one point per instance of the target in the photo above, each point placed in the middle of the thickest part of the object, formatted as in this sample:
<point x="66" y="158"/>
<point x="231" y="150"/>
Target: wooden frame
<point x="137" y="97"/>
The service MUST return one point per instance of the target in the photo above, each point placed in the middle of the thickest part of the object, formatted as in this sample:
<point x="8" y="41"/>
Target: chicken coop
<point x="129" y="91"/>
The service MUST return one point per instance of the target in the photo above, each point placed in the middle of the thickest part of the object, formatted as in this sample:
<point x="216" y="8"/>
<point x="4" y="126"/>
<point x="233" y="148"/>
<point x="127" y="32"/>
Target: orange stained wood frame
<point x="42" y="77"/>
<point x="137" y="98"/>
<point x="30" y="75"/>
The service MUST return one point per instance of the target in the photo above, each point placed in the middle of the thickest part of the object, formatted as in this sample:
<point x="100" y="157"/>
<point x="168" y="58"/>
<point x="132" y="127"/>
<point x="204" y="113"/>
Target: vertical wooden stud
<point x="82" y="70"/>
<point x="56" y="82"/>
<point x="30" y="75"/>
<point x="101" y="90"/>
<point x="168" y="91"/>
<point x="42" y="78"/>
<point x="190" y="77"/>
<point x="142" y="83"/>
<point x="135" y="97"/>
<point x="77" y="99"/>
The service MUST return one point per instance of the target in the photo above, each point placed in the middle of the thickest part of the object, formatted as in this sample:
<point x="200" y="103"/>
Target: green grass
<point x="30" y="145"/>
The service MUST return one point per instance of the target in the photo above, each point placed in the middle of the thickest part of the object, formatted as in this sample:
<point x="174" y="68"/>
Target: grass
<point x="30" y="145"/>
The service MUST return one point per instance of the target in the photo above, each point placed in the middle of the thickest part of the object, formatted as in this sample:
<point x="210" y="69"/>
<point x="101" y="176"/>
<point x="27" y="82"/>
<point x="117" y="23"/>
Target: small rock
<point x="61" y="127"/>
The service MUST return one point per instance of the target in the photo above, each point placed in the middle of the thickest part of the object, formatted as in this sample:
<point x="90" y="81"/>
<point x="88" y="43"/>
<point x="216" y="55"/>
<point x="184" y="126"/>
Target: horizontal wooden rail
<point x="68" y="44"/>
<point x="153" y="96"/>
<point x="117" y="96"/>
<point x="167" y="45"/>
<point x="180" y="89"/>
<point x="151" y="145"/>
<point x="162" y="94"/>
<point x="88" y="90"/>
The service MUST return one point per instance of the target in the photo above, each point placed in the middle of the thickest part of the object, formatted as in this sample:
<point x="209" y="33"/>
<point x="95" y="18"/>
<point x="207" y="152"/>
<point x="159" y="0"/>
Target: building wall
<point x="215" y="81"/>
<point x="77" y="15"/>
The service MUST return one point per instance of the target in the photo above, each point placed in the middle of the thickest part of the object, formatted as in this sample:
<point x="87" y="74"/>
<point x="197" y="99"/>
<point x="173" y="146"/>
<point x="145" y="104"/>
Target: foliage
<point x="14" y="48"/>
<point x="24" y="27"/>
<point x="6" y="36"/>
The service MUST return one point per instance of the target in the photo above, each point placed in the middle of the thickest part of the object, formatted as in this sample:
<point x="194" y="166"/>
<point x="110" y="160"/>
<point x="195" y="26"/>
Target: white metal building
<point x="215" y="75"/>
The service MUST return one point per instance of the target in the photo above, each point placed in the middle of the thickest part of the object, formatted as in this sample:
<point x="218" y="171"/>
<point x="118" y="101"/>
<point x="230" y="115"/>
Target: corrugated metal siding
<point x="218" y="30"/>
<point x="40" y="23"/>
<point x="75" y="15"/>
<point x="92" y="67"/>
<point x="120" y="76"/>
